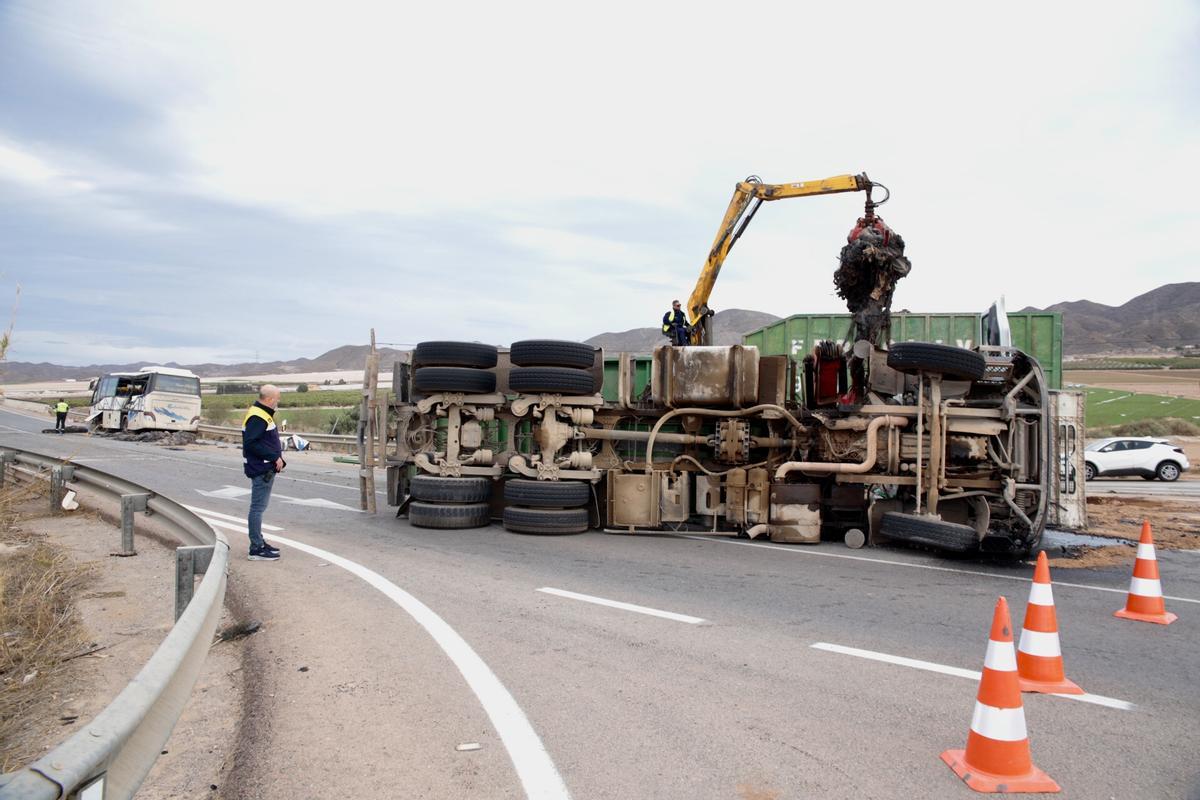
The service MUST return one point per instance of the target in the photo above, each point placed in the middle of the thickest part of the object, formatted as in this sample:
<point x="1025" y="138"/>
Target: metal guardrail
<point x="110" y="757"/>
<point x="326" y="439"/>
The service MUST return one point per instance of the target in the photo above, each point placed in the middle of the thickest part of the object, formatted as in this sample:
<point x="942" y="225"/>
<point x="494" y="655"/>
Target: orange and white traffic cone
<point x="1145" y="601"/>
<point x="997" y="755"/>
<point x="1039" y="656"/>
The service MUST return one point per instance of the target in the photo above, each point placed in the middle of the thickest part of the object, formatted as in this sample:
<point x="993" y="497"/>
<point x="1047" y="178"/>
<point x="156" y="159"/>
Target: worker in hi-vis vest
<point x="60" y="415"/>
<point x="262" y="452"/>
<point x="675" y="326"/>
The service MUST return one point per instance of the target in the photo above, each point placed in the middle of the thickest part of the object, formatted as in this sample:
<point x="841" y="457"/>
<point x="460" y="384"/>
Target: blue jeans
<point x="260" y="495"/>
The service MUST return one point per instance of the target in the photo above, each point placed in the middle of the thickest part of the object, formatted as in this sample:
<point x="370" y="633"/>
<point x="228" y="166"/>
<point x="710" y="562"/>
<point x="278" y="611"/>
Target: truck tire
<point x="448" y="517"/>
<point x="547" y="494"/>
<point x="430" y="380"/>
<point x="928" y="357"/>
<point x="553" y="380"/>
<point x="436" y="489"/>
<point x="931" y="532"/>
<point x="552" y="353"/>
<point x="454" y="354"/>
<point x="545" y="520"/>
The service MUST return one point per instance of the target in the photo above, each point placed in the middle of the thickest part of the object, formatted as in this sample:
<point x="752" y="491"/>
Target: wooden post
<point x="368" y="413"/>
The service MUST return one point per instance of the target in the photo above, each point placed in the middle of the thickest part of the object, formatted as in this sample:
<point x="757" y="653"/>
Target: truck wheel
<point x="555" y="380"/>
<point x="430" y="380"/>
<point x="929" y="531"/>
<point x="552" y="353"/>
<point x="448" y="517"/>
<point x="436" y="489"/>
<point x="546" y="520"/>
<point x="454" y="354"/>
<point x="547" y="494"/>
<point x="956" y="362"/>
<point x="1168" y="471"/>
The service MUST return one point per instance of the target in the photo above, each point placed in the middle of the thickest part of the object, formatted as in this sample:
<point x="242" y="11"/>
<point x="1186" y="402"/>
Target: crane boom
<point x="747" y="197"/>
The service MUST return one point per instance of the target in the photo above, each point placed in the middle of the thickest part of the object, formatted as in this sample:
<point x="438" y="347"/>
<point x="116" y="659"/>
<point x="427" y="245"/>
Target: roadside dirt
<point x="124" y="611"/>
<point x="1174" y="523"/>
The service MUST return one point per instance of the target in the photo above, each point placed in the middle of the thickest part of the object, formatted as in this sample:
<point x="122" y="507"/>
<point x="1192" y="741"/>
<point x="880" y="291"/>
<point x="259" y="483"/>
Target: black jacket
<point x="261" y="446"/>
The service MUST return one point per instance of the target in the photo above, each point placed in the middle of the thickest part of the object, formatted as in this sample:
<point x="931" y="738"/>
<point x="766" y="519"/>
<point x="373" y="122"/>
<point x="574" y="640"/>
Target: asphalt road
<point x="747" y="693"/>
<point x="1136" y="487"/>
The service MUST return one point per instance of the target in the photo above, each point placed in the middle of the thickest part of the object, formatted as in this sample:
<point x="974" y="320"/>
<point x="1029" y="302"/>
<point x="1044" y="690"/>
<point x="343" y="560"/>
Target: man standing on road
<point x="675" y="325"/>
<point x="60" y="415"/>
<point x="263" y="455"/>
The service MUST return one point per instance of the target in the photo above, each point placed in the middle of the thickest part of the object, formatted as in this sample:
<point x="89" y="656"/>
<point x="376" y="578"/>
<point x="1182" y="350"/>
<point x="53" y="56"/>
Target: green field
<point x="1165" y="362"/>
<point x="340" y="399"/>
<point x="1108" y="407"/>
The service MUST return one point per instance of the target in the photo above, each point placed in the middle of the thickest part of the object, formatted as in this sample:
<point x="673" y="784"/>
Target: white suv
<point x="1134" y="455"/>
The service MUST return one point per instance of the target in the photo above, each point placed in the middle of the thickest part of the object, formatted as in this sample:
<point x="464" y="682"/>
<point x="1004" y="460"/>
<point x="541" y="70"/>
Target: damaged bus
<point x="152" y="399"/>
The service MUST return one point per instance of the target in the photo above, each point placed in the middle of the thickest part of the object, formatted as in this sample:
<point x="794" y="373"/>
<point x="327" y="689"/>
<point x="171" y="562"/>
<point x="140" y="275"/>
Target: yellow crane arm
<point x="747" y="197"/>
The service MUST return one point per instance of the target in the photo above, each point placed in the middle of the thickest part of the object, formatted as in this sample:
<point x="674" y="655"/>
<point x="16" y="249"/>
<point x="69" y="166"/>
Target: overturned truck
<point x="923" y="443"/>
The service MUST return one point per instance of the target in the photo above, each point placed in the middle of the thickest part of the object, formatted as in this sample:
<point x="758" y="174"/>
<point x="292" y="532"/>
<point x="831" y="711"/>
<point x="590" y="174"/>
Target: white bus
<point x="155" y="398"/>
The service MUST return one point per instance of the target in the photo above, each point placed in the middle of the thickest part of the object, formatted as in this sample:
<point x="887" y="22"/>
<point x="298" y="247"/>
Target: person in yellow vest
<point x="262" y="452"/>
<point x="60" y="415"/>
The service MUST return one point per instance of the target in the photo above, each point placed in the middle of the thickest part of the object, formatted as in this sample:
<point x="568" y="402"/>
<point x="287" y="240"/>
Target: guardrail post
<point x="60" y="476"/>
<point x="130" y="503"/>
<point x="189" y="562"/>
<point x="6" y="457"/>
<point x="57" y="490"/>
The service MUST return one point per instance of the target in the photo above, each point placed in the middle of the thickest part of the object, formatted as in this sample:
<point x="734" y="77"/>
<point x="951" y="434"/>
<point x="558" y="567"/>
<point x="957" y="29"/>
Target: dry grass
<point x="39" y="627"/>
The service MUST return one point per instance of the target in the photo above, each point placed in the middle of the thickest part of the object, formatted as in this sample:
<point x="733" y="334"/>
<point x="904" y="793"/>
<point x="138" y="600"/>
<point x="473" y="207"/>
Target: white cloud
<point x="1041" y="151"/>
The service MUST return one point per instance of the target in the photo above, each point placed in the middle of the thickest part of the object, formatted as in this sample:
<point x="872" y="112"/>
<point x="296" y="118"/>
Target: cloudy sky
<point x="211" y="181"/>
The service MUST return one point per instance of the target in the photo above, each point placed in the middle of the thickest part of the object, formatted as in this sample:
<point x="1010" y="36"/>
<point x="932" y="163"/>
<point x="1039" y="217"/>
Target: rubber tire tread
<point x="545" y="520"/>
<point x="1158" y="471"/>
<point x="438" y="489"/>
<point x="430" y="380"/>
<point x="552" y="353"/>
<point x="553" y="380"/>
<point x="949" y="536"/>
<point x="454" y="354"/>
<point x="449" y="517"/>
<point x="547" y="494"/>
<point x="930" y="357"/>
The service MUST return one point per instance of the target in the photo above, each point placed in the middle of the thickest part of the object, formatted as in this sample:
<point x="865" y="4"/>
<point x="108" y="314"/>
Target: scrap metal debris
<point x="870" y="264"/>
<point x="156" y="437"/>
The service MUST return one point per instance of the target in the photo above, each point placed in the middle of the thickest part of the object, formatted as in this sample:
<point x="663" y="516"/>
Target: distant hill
<point x="728" y="328"/>
<point x="1165" y="317"/>
<point x="346" y="357"/>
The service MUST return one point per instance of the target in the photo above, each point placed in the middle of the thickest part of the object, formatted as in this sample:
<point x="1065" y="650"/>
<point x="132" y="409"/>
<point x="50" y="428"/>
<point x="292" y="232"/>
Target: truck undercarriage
<point x="945" y="447"/>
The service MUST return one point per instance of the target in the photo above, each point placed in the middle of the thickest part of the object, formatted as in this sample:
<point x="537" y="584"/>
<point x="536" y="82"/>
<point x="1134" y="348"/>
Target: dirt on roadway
<point x="1175" y="524"/>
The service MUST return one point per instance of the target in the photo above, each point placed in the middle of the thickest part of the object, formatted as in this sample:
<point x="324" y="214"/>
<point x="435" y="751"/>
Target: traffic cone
<point x="1145" y="601"/>
<point x="1039" y="656"/>
<point x="997" y="755"/>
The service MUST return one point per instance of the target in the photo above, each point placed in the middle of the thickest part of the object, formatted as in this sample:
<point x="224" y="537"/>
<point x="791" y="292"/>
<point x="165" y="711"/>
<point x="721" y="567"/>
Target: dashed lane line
<point x="600" y="601"/>
<point x="957" y="672"/>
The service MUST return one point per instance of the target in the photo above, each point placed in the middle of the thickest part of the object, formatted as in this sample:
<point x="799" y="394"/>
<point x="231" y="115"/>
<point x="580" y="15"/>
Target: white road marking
<point x="226" y="492"/>
<point x="957" y="672"/>
<point x="315" y="502"/>
<point x="890" y="562"/>
<point x="218" y="515"/>
<point x="536" y="770"/>
<point x="600" y="601"/>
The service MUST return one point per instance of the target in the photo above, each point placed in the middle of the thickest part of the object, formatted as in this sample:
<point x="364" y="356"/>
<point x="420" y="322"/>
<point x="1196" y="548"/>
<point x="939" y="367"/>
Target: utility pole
<point x="368" y="429"/>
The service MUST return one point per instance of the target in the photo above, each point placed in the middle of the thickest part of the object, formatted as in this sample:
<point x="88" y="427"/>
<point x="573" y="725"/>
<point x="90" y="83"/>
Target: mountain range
<point x="1160" y="319"/>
